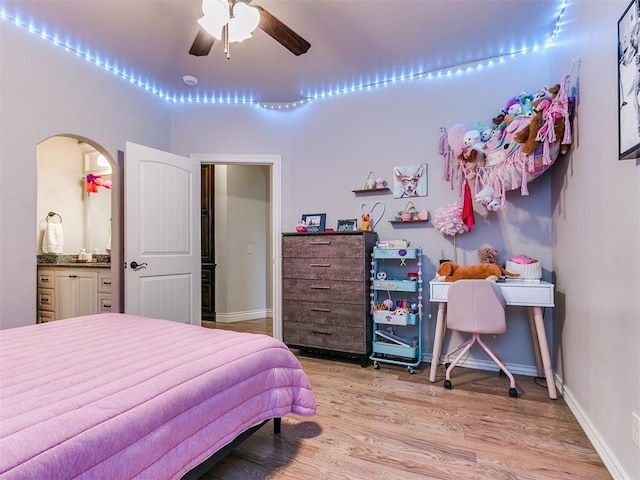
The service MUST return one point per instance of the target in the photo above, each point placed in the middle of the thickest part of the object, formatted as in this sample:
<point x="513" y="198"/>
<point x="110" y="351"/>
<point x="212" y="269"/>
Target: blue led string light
<point x="237" y="99"/>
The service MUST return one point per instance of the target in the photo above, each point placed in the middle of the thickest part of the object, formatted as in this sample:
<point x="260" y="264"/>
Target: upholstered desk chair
<point x="476" y="307"/>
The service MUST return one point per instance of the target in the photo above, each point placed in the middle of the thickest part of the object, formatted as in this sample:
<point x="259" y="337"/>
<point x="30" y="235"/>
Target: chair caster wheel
<point x="376" y="365"/>
<point x="447" y="384"/>
<point x="410" y="369"/>
<point x="513" y="393"/>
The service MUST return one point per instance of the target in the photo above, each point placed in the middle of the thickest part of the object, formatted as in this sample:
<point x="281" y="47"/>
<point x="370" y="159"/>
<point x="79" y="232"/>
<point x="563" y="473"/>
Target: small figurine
<point x="301" y="227"/>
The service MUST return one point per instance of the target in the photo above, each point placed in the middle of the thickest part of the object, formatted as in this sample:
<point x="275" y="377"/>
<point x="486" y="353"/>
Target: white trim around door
<point x="274" y="162"/>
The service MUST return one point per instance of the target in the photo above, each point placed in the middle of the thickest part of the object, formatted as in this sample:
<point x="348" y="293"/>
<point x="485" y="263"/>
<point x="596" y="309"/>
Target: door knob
<point x="135" y="265"/>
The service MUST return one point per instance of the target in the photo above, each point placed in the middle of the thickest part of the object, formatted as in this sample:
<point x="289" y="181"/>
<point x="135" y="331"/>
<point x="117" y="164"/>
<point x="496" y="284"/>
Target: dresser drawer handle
<point x="321" y="287"/>
<point x="320" y="243"/>
<point x="44" y="279"/>
<point x="107" y="282"/>
<point x="317" y="309"/>
<point x="106" y="305"/>
<point x="44" y="300"/>
<point x="320" y="265"/>
<point x="318" y="332"/>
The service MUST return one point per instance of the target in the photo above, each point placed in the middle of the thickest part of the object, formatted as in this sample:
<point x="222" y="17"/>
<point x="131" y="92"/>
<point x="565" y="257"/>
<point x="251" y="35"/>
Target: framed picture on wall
<point x="410" y="181"/>
<point x="629" y="83"/>
<point x="315" y="222"/>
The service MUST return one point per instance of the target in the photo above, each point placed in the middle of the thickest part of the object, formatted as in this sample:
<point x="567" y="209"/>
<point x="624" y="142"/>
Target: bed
<point x="121" y="396"/>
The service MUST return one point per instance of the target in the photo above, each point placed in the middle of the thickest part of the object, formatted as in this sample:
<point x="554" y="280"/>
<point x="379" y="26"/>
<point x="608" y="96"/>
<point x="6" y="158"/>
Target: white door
<point x="162" y="235"/>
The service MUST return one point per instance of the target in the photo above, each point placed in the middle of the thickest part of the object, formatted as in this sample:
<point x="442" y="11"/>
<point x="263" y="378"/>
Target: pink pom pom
<point x="448" y="220"/>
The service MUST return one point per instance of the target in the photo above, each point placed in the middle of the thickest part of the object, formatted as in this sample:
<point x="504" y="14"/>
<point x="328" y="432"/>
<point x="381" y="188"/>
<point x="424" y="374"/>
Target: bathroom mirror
<point x="66" y="169"/>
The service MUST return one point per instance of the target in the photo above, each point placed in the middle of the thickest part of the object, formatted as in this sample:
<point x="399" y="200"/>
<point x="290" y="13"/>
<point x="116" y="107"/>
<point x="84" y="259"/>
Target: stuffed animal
<point x="488" y="255"/>
<point x="527" y="136"/>
<point x="472" y="154"/>
<point x="476" y="148"/>
<point x="451" y="271"/>
<point x="485" y="195"/>
<point x="366" y="222"/>
<point x="488" y="199"/>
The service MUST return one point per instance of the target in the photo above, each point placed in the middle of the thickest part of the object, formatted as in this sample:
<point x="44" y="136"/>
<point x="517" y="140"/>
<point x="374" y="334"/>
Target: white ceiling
<point x="353" y="42"/>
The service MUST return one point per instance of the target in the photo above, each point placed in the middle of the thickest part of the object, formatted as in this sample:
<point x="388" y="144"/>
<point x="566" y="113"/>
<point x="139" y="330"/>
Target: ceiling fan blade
<point x="202" y="43"/>
<point x="281" y="33"/>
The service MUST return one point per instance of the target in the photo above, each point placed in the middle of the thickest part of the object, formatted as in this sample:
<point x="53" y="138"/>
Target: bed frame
<point x="197" y="472"/>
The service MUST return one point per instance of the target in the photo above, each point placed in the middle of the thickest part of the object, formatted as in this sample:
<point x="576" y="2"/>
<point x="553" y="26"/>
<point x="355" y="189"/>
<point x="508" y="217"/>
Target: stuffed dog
<point x="366" y="223"/>
<point x="450" y="272"/>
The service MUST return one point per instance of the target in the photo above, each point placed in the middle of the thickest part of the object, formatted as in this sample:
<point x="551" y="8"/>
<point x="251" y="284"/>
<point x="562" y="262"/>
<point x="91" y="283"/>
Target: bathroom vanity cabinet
<point x="70" y="291"/>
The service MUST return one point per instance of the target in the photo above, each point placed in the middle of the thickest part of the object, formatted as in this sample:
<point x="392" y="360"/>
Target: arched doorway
<point x="66" y="166"/>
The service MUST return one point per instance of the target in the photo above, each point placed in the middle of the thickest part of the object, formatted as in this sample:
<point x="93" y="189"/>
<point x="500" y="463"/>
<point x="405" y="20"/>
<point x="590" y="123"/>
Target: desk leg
<point x="544" y="350"/>
<point x="437" y="340"/>
<point x="535" y="343"/>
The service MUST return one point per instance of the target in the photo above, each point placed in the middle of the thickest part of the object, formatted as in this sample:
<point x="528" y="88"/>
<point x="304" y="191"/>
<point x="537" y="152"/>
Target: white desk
<point x="533" y="295"/>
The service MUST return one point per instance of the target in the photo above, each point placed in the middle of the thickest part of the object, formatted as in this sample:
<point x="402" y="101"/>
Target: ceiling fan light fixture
<point x="245" y="19"/>
<point x="216" y="9"/>
<point x="237" y="31"/>
<point x="246" y="16"/>
<point x="212" y="25"/>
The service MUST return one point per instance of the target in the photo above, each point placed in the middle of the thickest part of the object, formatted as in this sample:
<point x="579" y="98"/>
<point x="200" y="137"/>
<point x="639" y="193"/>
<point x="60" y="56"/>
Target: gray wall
<point x="45" y="91"/>
<point x="328" y="148"/>
<point x="581" y="218"/>
<point x="595" y="213"/>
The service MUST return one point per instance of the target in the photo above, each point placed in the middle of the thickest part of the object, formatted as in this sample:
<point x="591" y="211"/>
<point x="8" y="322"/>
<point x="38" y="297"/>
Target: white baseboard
<point x="601" y="447"/>
<point x="242" y="316"/>
<point x="489" y="365"/>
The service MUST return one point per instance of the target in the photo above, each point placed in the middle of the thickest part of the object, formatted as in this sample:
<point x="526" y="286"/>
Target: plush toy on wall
<point x="451" y="271"/>
<point x="527" y="136"/>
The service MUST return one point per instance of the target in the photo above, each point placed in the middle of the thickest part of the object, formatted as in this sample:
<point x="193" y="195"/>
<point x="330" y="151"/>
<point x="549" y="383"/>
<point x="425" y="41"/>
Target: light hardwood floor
<point x="388" y="424"/>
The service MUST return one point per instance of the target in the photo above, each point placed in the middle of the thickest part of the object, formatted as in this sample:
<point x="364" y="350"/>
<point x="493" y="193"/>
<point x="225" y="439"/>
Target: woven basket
<point x="527" y="271"/>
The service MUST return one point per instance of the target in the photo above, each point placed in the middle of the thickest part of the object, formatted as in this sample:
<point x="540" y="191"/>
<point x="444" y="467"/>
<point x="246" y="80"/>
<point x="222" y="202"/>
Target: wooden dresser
<point x="325" y="291"/>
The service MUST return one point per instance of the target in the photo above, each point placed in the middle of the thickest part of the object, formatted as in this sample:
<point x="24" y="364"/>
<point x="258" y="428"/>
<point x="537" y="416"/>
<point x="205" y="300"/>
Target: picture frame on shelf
<point x="347" y="225"/>
<point x="629" y="83"/>
<point x="315" y="222"/>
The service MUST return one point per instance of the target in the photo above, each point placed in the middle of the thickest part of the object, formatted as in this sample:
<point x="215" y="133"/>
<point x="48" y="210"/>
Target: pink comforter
<point x="115" y="396"/>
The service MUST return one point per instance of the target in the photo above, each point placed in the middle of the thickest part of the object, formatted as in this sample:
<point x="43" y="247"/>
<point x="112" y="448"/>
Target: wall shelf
<point x="404" y="222"/>
<point x="371" y="190"/>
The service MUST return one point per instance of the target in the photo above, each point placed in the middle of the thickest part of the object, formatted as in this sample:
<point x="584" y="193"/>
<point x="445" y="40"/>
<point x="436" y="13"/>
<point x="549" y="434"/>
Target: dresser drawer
<point x="46" y="299"/>
<point x="323" y="291"/>
<point x="329" y="314"/>
<point x="346" y="339"/>
<point x="305" y="246"/>
<point x="325" y="268"/>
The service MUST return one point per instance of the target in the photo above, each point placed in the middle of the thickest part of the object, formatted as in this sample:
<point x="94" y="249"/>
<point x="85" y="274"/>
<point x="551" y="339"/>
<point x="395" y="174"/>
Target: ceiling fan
<point x="234" y="20"/>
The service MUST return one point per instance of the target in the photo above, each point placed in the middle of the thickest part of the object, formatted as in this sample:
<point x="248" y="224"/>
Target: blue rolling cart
<point x="396" y="306"/>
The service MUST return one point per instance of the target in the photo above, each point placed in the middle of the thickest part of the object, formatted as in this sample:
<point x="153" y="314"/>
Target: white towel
<point x="53" y="239"/>
<point x="109" y="240"/>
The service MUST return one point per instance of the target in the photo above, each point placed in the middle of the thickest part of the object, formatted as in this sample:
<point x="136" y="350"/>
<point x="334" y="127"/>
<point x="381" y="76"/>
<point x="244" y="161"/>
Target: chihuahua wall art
<point x="410" y="181"/>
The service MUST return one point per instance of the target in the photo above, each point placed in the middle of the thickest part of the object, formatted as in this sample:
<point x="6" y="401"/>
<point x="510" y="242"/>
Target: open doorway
<point x="247" y="241"/>
<point x="77" y="185"/>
